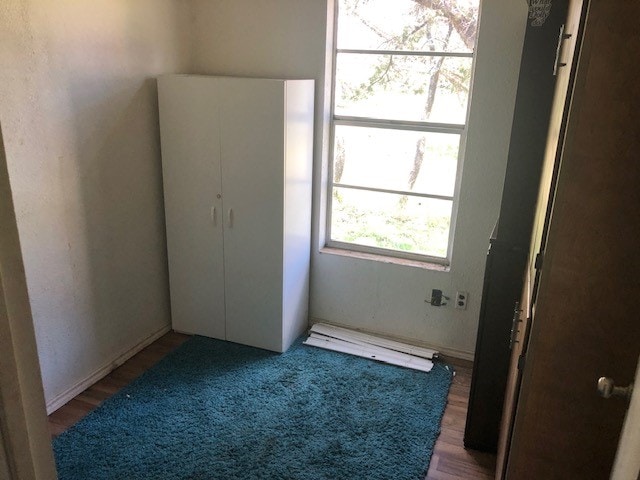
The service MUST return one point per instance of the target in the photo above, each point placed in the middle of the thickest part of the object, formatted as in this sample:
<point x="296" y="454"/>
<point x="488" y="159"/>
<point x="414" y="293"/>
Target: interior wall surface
<point x="25" y="446"/>
<point x="79" y="112"/>
<point x="292" y="39"/>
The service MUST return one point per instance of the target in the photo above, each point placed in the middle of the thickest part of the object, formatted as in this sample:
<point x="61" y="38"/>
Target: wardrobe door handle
<point x="231" y="218"/>
<point x="559" y="50"/>
<point x="214" y="216"/>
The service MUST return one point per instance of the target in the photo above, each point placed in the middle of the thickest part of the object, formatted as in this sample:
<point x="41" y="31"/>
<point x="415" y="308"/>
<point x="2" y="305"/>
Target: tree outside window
<point x="401" y="92"/>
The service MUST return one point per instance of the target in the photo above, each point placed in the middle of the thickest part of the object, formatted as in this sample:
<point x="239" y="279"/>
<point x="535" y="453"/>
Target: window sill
<point x="385" y="259"/>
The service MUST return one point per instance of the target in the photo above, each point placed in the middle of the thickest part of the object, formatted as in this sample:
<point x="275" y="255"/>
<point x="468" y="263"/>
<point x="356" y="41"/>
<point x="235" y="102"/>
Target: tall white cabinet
<point x="236" y="162"/>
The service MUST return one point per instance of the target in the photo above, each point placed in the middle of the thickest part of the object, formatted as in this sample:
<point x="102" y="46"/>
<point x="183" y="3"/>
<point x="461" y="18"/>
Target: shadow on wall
<point x="117" y="168"/>
<point x="78" y="96"/>
<point x="120" y="187"/>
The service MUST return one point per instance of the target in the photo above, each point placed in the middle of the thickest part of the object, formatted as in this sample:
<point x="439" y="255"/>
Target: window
<point x="401" y="90"/>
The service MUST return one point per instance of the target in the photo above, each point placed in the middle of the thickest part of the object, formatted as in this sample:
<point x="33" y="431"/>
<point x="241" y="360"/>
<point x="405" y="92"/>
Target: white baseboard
<point x="61" y="399"/>
<point x="449" y="352"/>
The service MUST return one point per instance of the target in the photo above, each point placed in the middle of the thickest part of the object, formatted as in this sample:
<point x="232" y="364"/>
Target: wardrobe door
<point x="252" y="137"/>
<point x="189" y="128"/>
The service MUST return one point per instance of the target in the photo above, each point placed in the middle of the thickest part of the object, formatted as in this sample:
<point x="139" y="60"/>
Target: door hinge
<point x="521" y="361"/>
<point x="539" y="259"/>
<point x="514" y="325"/>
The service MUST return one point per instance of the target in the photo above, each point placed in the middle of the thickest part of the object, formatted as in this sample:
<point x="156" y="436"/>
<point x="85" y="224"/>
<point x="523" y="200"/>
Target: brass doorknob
<point x="607" y="389"/>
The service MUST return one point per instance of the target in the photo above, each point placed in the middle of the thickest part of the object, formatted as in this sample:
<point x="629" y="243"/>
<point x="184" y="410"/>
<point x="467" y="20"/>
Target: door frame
<point x="627" y="462"/>
<point x="24" y="434"/>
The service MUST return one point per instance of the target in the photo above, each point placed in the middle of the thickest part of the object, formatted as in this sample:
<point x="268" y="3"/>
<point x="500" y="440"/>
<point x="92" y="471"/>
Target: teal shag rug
<point x="218" y="410"/>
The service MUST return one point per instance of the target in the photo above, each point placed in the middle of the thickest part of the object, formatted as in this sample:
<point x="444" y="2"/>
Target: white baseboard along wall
<point x="61" y="399"/>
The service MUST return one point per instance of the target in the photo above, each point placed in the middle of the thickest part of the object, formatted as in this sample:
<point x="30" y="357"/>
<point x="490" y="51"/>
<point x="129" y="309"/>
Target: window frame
<point x="405" y="125"/>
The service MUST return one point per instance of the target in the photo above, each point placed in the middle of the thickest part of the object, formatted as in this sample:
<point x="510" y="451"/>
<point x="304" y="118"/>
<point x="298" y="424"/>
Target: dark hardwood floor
<point x="450" y="459"/>
<point x="74" y="410"/>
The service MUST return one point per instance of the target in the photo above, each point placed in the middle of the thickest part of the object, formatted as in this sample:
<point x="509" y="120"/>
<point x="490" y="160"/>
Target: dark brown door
<point x="584" y="322"/>
<point x="569" y="38"/>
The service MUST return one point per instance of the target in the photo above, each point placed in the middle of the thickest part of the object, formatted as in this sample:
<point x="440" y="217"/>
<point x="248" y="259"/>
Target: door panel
<point x="567" y="55"/>
<point x="253" y="182"/>
<point x="583" y="325"/>
<point x="191" y="176"/>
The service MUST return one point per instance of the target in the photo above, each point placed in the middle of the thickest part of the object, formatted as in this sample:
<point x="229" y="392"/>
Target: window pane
<point x="408" y="25"/>
<point x="394" y="222"/>
<point x="396" y="159"/>
<point x="393" y="87"/>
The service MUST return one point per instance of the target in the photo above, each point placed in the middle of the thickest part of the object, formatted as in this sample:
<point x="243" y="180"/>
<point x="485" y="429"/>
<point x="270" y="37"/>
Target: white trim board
<point x="336" y="345"/>
<point x="360" y="338"/>
<point x="449" y="352"/>
<point x="61" y="399"/>
<point x="374" y="351"/>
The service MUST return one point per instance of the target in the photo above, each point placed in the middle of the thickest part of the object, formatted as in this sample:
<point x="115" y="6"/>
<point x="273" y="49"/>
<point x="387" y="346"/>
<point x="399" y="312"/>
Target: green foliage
<point x="399" y="230"/>
<point x="431" y="28"/>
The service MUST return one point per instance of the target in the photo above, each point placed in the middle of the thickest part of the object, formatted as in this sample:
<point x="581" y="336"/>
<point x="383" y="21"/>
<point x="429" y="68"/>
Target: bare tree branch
<point x="462" y="20"/>
<point x="431" y="96"/>
<point x="338" y="164"/>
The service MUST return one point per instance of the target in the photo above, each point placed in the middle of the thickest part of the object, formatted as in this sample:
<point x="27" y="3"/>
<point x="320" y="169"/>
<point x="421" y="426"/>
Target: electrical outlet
<point x="461" y="300"/>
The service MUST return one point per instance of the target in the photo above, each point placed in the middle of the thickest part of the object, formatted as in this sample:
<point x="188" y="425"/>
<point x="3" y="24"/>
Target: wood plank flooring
<point x="74" y="410"/>
<point x="450" y="459"/>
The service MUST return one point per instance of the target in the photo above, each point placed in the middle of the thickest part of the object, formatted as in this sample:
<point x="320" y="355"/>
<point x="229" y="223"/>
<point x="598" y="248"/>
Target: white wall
<point x="78" y="108"/>
<point x="287" y="38"/>
<point x="25" y="445"/>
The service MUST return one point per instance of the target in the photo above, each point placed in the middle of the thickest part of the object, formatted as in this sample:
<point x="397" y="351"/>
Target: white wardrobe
<point x="237" y="162"/>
